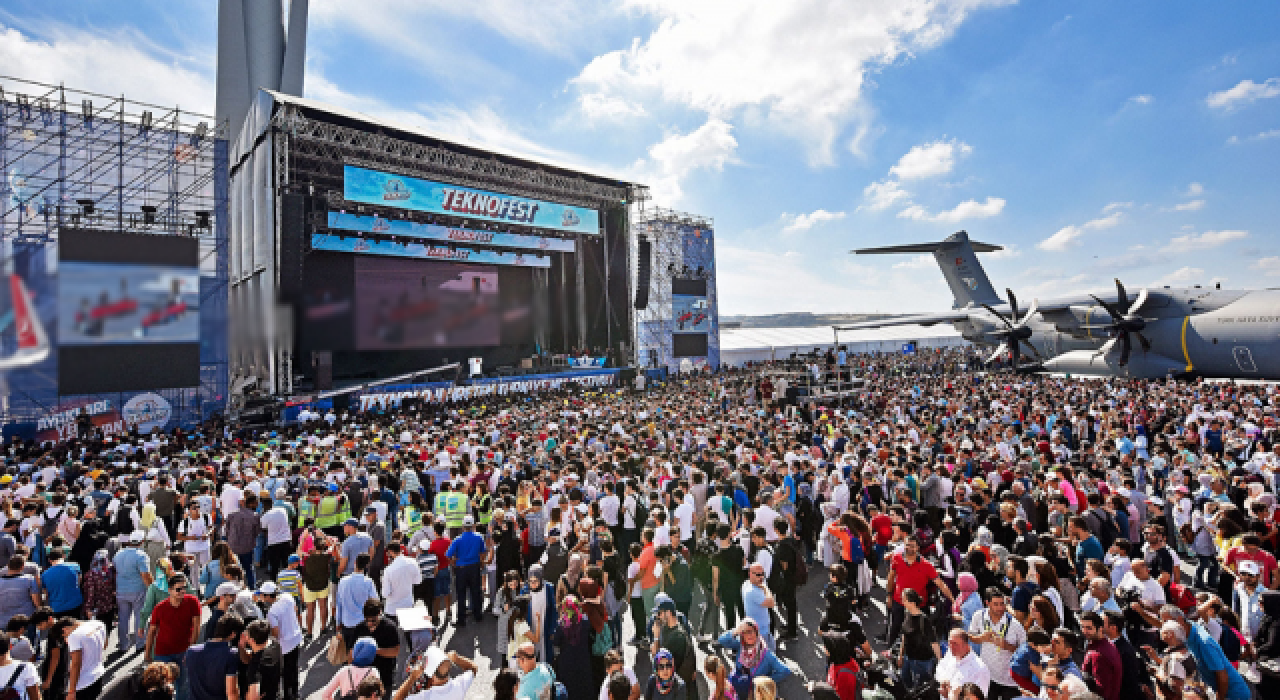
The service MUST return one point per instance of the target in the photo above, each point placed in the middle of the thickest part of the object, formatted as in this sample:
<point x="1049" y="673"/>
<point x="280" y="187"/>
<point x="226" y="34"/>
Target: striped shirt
<point x="290" y="581"/>
<point x="537" y="521"/>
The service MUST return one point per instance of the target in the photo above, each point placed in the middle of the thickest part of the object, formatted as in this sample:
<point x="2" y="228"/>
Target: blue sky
<point x="1095" y="139"/>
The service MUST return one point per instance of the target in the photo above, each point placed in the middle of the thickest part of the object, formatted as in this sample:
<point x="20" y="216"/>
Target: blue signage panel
<point x="390" y="190"/>
<point x="435" y="232"/>
<point x="351" y="244"/>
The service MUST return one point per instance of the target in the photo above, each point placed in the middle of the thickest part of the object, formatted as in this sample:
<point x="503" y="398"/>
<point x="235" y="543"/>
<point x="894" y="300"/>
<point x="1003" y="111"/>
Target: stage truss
<point x="665" y="229"/>
<point x="80" y="159"/>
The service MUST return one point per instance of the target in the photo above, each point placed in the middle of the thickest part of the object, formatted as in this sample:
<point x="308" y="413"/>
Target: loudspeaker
<point x="323" y="364"/>
<point x="644" y="264"/>
<point x="293" y="245"/>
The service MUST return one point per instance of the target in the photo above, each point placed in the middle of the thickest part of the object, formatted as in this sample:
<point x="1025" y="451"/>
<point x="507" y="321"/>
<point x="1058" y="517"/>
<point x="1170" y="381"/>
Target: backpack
<point x="1108" y="532"/>
<point x="857" y="554"/>
<point x="429" y="565"/>
<point x="642" y="514"/>
<point x="802" y="570"/>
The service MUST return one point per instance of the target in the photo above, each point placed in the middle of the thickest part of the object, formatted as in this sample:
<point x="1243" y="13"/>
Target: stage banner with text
<point x="404" y="192"/>
<point x="423" y="251"/>
<point x="449" y="234"/>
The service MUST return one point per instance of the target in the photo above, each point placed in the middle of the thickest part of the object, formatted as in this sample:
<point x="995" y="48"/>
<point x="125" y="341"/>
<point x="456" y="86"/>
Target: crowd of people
<point x="1008" y="536"/>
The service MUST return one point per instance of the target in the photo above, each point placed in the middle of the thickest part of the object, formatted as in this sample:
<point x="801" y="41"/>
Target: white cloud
<point x="1116" y="205"/>
<point x="606" y="107"/>
<point x="710" y="146"/>
<point x="1141" y="99"/>
<point x="930" y="160"/>
<point x="1193" y="205"/>
<point x="804" y="222"/>
<point x="968" y="209"/>
<point x="1195" y="189"/>
<point x="1270" y="266"/>
<point x="110" y="63"/>
<point x="800" y="66"/>
<point x="916" y="262"/>
<point x="1245" y="92"/>
<point x="1203" y="241"/>
<point x="1182" y="276"/>
<point x="481" y="125"/>
<point x="1260" y="136"/>
<point x="1010" y="250"/>
<point x="1069" y="236"/>
<point x="882" y="195"/>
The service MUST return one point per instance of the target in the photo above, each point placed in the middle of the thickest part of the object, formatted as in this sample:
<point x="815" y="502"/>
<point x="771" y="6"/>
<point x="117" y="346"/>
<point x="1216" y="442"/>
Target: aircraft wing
<point x="911" y="320"/>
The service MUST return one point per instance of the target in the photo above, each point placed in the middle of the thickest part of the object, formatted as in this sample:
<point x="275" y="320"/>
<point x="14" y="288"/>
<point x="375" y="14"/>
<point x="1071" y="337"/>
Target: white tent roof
<point x="823" y="336"/>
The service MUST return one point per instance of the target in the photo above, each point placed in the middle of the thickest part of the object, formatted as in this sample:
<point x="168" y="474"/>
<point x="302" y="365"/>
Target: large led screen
<point x="128" y="312"/>
<point x="403" y="304"/>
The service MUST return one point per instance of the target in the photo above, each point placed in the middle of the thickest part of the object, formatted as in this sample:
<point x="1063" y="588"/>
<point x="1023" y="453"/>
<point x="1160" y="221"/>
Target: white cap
<point x="137" y="536"/>
<point x="435" y="657"/>
<point x="468" y="521"/>
<point x="269" y="588"/>
<point x="1248" y="567"/>
<point x="226" y="588"/>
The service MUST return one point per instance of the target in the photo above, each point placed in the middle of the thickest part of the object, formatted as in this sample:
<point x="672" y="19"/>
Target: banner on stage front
<point x="404" y="192"/>
<point x="423" y="251"/>
<point x="435" y="232"/>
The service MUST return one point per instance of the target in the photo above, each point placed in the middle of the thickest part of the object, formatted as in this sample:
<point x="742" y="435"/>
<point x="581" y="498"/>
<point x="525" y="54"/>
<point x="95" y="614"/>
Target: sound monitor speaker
<point x="293" y="242"/>
<point x="643" y="267"/>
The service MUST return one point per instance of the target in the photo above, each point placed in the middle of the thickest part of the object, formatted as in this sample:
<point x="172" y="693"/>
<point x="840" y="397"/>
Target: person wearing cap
<point x="282" y="615"/>
<point x="133" y="576"/>
<point x="432" y="675"/>
<point x="669" y="633"/>
<point x="357" y="542"/>
<point x="346" y="679"/>
<point x="467" y="550"/>
<point x="377" y="530"/>
<point x="224" y="596"/>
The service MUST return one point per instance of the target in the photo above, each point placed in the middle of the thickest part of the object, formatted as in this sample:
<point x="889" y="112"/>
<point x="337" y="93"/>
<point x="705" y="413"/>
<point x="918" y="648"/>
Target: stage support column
<point x="581" y="296"/>
<point x="541" y="308"/>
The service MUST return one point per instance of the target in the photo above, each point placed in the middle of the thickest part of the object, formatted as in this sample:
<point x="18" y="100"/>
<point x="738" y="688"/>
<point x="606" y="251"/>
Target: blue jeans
<point x="180" y="685"/>
<point x="1207" y="571"/>
<point x="916" y="672"/>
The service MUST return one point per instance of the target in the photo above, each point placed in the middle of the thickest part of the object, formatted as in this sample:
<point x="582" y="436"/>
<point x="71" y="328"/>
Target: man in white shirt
<point x="961" y="666"/>
<point x="282" y="615"/>
<point x="279" y="538"/>
<point x="231" y="497"/>
<point x="1000" y="634"/>
<point x="765" y="515"/>
<point x="684" y="513"/>
<point x="398" y="580"/>
<point x="87" y="643"/>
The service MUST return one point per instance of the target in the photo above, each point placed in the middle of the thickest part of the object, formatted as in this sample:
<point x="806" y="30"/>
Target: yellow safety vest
<point x="455" y="508"/>
<point x="442" y="503"/>
<point x="306" y="511"/>
<point x="328" y="515"/>
<point x="413" y="520"/>
<point x="485" y="513"/>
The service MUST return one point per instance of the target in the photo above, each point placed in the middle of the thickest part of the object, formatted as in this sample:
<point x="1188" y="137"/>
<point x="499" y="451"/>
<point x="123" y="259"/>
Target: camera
<point x="1127" y="596"/>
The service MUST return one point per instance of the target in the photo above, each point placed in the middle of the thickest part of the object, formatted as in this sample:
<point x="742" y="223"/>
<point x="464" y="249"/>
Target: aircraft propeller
<point x="1124" y="323"/>
<point x="1017" y="332"/>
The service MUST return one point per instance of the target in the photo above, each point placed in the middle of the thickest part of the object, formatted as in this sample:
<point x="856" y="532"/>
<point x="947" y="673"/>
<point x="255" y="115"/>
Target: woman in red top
<point x="842" y="668"/>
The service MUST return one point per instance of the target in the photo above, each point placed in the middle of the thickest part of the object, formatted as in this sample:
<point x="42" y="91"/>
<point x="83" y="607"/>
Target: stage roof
<point x="822" y="336"/>
<point x="259" y="116"/>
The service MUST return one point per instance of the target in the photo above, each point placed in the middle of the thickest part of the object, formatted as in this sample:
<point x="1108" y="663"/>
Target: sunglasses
<point x="1054" y="688"/>
<point x="178" y="589"/>
<point x="666" y="666"/>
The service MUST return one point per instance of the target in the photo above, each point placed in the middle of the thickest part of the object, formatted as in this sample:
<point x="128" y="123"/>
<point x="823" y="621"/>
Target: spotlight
<point x="148" y="214"/>
<point x="201" y="129"/>
<point x="86" y="205"/>
<point x="144" y="124"/>
<point x="86" y="108"/>
<point x="700" y="273"/>
<point x="202" y="219"/>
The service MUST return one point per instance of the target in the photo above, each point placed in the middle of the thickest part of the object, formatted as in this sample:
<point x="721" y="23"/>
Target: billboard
<point x="690" y="313"/>
<point x="404" y="192"/>
<point x="435" y="232"/>
<point x="402" y="304"/>
<point x="128" y="311"/>
<point x="424" y="251"/>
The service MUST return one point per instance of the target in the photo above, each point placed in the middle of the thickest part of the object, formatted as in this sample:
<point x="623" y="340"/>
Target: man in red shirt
<point x="1250" y="549"/>
<point x="909" y="570"/>
<point x="175" y="624"/>
<point x="444" y="580"/>
<point x="1101" y="658"/>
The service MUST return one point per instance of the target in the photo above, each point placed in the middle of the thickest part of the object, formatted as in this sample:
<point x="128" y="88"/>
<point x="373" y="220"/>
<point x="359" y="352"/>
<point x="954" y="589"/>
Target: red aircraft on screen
<point x="33" y="342"/>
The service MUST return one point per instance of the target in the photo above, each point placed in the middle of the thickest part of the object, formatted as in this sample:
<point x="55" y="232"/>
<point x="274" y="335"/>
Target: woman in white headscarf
<point x="156" y="543"/>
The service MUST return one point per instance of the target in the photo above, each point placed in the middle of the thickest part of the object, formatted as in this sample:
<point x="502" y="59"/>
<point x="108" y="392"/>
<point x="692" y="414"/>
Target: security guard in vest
<point x="455" y="511"/>
<point x="333" y="511"/>
<point x="442" y="499"/>
<point x="482" y="504"/>
<point x="308" y="507"/>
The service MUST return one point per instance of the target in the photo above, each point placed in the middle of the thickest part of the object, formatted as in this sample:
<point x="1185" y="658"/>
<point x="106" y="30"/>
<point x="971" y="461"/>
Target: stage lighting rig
<point x="144" y="124"/>
<point x="148" y="214"/>
<point x="198" y="135"/>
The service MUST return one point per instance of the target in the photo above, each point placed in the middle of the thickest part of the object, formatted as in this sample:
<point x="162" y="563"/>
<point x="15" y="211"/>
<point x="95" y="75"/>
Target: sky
<point x="1092" y="139"/>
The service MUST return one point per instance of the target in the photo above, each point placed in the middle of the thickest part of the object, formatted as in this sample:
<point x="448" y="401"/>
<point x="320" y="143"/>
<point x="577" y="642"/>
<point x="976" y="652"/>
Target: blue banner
<point x="390" y="190"/>
<point x="435" y="232"/>
<point x="352" y="244"/>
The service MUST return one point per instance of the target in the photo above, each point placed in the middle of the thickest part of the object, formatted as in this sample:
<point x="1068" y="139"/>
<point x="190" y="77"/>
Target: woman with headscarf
<point x="159" y="588"/>
<point x="573" y="638"/>
<point x="568" y="583"/>
<point x="100" y="590"/>
<point x="664" y="683"/>
<point x="842" y="668"/>
<point x="752" y="657"/>
<point x="345" y="681"/>
<point x="967" y="602"/>
<point x="542" y="612"/>
<point x="156" y="542"/>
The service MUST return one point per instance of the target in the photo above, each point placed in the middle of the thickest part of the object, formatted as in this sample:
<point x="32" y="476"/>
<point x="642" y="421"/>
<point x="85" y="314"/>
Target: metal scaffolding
<point x="78" y="159"/>
<point x="670" y="258"/>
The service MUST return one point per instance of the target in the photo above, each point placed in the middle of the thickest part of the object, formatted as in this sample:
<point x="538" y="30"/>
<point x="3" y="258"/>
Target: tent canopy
<point x="740" y="345"/>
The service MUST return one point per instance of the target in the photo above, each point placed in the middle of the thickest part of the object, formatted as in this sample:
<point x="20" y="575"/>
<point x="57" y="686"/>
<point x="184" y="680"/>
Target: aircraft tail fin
<point x="956" y="257"/>
<point x="33" y="341"/>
